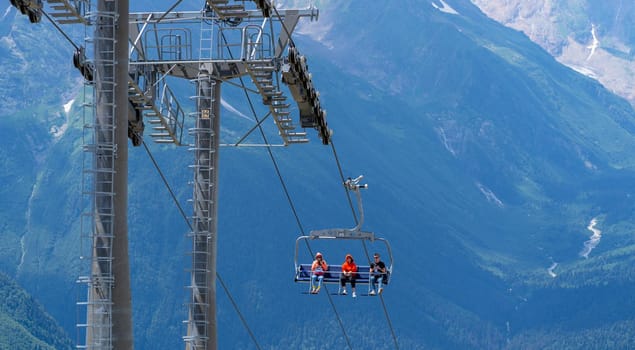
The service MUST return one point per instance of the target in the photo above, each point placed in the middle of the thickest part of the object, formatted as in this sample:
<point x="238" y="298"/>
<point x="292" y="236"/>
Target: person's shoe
<point x="313" y="290"/>
<point x="317" y="290"/>
<point x="380" y="290"/>
<point x="344" y="292"/>
<point x="354" y="295"/>
<point x="372" y="292"/>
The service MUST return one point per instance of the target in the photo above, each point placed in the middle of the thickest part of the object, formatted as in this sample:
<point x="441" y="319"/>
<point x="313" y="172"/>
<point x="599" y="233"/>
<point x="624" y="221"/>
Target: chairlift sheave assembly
<point x="303" y="270"/>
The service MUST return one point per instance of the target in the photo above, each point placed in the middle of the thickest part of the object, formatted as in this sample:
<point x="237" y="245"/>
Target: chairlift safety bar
<point x="390" y="262"/>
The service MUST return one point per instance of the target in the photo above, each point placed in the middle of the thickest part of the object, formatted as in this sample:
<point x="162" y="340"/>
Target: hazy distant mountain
<point x="592" y="37"/>
<point x="502" y="179"/>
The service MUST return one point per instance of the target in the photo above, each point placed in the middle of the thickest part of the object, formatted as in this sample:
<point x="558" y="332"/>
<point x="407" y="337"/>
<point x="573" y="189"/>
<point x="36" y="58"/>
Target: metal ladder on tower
<point x="205" y="139"/>
<point x="97" y="225"/>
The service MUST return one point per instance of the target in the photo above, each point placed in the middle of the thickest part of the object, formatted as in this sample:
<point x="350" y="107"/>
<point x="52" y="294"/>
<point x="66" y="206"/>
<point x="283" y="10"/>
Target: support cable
<point x="286" y="192"/>
<point x="242" y="318"/>
<point x="252" y="129"/>
<point x="282" y="182"/>
<point x="180" y="208"/>
<point x="392" y="331"/>
<point x="169" y="10"/>
<point x="350" y="202"/>
<point x="295" y="214"/>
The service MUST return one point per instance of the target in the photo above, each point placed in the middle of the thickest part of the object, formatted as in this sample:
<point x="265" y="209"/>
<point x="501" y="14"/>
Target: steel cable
<point x="285" y="189"/>
<point x="218" y="276"/>
<point x="350" y="202"/>
<point x="288" y="196"/>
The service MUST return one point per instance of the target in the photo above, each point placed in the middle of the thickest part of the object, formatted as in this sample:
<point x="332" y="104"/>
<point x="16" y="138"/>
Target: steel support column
<point x="122" y="298"/>
<point x="201" y="331"/>
<point x="109" y="310"/>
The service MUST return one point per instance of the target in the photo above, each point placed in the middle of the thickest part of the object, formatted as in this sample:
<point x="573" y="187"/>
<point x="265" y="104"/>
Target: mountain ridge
<point x="23" y="322"/>
<point x="584" y="35"/>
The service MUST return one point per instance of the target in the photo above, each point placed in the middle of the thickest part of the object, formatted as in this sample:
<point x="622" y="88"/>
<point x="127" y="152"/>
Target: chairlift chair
<point x="303" y="272"/>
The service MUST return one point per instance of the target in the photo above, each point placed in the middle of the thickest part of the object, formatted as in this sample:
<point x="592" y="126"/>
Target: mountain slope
<point x="23" y="322"/>
<point x="486" y="161"/>
<point x="591" y="37"/>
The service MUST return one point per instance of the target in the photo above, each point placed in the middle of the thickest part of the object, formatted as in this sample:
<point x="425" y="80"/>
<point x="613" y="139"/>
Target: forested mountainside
<point x="502" y="179"/>
<point x="23" y="322"/>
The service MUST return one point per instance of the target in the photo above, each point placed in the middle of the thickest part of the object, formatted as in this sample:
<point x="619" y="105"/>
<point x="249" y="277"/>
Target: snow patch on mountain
<point x="551" y="269"/>
<point x="234" y="110"/>
<point x="445" y="8"/>
<point x="10" y="44"/>
<point x="604" y="54"/>
<point x="489" y="195"/>
<point x="68" y="105"/>
<point x="447" y="143"/>
<point x="584" y="71"/>
<point x="317" y="32"/>
<point x="316" y="29"/>
<point x="594" y="44"/>
<point x="58" y="131"/>
<point x="6" y="12"/>
<point x="586" y="161"/>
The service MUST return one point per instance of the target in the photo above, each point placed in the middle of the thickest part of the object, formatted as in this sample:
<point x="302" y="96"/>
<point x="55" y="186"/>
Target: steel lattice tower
<point x="135" y="55"/>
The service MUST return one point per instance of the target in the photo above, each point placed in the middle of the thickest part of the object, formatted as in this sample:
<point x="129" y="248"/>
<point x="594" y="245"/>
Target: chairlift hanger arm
<point x="353" y="185"/>
<point x="355" y="232"/>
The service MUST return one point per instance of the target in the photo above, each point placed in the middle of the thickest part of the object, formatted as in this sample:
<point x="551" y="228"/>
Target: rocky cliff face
<point x="590" y="37"/>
